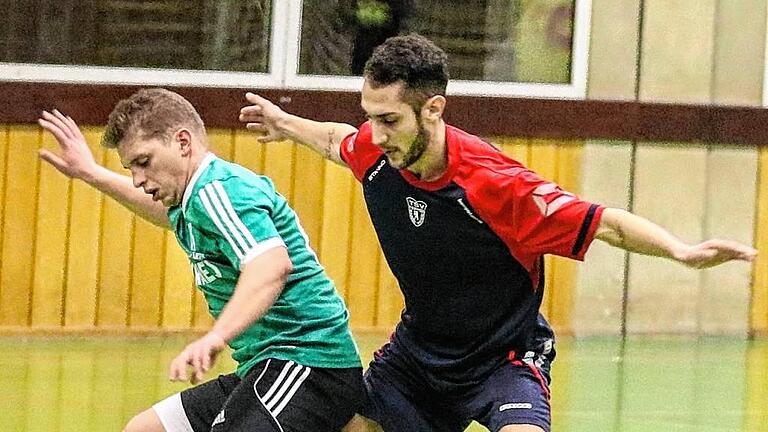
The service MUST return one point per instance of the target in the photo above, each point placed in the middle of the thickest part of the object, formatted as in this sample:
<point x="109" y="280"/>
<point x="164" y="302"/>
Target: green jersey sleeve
<point x="238" y="216"/>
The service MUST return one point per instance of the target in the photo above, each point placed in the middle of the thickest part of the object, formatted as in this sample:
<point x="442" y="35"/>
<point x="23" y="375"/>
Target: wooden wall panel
<point x="335" y="235"/>
<point x="116" y="263"/>
<point x="613" y="49"/>
<point x="677" y="51"/>
<point x="52" y="244"/>
<point x="17" y="255"/>
<point x="363" y="259"/>
<point x="147" y="275"/>
<point x="84" y="238"/>
<point x="178" y="286"/>
<point x="670" y="190"/>
<point x="128" y="273"/>
<point x="759" y="306"/>
<point x="279" y="160"/>
<point x="307" y="199"/>
<point x="723" y="307"/>
<point x="599" y="284"/>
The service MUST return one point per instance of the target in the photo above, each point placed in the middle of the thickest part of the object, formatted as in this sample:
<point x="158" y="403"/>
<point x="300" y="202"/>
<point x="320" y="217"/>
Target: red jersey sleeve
<point x="358" y="152"/>
<point x="534" y="216"/>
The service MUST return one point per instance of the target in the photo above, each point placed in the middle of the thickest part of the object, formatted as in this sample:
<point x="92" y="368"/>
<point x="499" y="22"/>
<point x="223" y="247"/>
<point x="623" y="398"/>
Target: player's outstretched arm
<point x="260" y="283"/>
<point x="265" y="117"/>
<point x="637" y="234"/>
<point x="76" y="161"/>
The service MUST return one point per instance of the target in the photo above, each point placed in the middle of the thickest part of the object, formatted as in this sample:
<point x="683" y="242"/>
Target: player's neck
<point x="434" y="162"/>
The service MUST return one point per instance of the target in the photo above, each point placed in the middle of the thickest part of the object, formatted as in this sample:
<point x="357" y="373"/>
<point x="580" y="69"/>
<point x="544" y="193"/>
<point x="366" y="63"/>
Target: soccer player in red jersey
<point x="464" y="229"/>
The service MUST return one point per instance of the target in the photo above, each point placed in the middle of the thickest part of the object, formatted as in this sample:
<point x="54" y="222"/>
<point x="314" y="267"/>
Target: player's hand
<point x="715" y="252"/>
<point x="262" y="116"/>
<point x="75" y="159"/>
<point x="200" y="355"/>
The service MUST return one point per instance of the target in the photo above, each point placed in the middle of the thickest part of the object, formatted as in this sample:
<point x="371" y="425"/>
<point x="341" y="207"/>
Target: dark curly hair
<point x="413" y="60"/>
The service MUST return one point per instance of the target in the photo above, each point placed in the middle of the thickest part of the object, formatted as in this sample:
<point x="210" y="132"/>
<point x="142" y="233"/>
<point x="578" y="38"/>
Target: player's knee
<point x="146" y="421"/>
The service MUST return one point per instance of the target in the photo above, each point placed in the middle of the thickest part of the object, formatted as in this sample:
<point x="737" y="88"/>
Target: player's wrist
<point x="217" y="336"/>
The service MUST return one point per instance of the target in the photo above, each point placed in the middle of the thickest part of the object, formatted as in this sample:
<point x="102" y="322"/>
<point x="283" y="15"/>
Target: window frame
<point x="284" y="58"/>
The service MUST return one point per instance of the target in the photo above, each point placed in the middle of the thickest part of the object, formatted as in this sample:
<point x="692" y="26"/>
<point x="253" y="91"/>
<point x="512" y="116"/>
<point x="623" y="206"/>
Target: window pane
<point x="490" y="40"/>
<point x="176" y="34"/>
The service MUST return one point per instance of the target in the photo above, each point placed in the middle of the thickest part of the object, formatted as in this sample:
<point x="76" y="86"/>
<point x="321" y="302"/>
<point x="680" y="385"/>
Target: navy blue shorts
<point x="401" y="398"/>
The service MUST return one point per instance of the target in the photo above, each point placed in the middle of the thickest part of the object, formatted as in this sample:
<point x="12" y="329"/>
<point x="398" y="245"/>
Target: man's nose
<point x="138" y="179"/>
<point x="378" y="137"/>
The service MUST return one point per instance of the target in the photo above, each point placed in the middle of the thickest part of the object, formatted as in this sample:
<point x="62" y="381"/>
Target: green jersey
<point x="228" y="216"/>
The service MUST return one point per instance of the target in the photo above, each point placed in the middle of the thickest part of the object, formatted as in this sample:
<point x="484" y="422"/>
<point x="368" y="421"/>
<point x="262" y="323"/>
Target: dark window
<point x="490" y="40"/>
<point x="177" y="34"/>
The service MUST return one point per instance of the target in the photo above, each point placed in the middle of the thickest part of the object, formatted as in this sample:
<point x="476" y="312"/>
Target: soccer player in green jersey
<point x="298" y="367"/>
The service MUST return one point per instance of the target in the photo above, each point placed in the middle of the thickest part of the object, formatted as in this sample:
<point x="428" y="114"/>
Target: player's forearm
<point x="322" y="137"/>
<point x="260" y="284"/>
<point x="121" y="189"/>
<point x="639" y="235"/>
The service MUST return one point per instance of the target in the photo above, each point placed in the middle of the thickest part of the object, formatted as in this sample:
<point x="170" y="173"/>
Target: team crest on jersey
<point x="417" y="211"/>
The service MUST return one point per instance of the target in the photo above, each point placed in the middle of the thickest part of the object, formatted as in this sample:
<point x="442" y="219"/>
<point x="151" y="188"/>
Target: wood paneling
<point x="19" y="227"/>
<point x="93" y="265"/>
<point x="759" y="304"/>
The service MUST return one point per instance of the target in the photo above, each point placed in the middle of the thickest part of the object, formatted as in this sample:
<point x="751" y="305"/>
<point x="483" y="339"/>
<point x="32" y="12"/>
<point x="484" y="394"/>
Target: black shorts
<point x="401" y="399"/>
<point x="275" y="396"/>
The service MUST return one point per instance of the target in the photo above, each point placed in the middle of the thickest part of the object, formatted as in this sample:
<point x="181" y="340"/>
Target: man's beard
<point x="417" y="148"/>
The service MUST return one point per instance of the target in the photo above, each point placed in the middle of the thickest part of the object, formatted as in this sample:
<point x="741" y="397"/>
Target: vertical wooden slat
<point x="543" y="161"/>
<point x="308" y="174"/>
<point x="178" y="286"/>
<point x="759" y="308"/>
<point x="147" y="274"/>
<point x="83" y="256"/>
<point x="52" y="243"/>
<point x="4" y="136"/>
<point x="248" y="152"/>
<point x="678" y="205"/>
<point x="279" y="160"/>
<point x="363" y="281"/>
<point x="16" y="269"/>
<point x="117" y="227"/>
<point x="337" y="222"/>
<point x="201" y="318"/>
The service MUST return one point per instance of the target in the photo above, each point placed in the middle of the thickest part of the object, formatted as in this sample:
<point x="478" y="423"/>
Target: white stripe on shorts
<point x="172" y="415"/>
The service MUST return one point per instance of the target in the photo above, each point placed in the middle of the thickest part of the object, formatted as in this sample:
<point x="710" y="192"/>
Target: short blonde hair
<point x="150" y="113"/>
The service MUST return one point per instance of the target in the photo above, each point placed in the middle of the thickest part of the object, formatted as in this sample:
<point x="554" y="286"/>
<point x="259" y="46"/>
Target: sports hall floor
<point x="600" y="384"/>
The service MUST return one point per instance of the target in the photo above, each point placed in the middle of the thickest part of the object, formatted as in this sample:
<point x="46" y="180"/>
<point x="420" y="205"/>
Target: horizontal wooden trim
<point x="486" y="116"/>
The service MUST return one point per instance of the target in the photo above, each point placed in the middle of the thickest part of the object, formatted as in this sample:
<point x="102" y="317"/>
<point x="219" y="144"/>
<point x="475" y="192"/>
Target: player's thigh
<point x="194" y="409"/>
<point x="400" y="407"/>
<point x="514" y="398"/>
<point x="145" y="421"/>
<point x="279" y="395"/>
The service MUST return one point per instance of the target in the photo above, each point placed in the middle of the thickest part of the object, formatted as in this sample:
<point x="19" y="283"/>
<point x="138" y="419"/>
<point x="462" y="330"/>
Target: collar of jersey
<point x="454" y="156"/>
<point x="210" y="157"/>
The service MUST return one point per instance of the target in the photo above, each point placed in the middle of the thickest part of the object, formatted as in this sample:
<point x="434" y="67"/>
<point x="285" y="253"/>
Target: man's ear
<point x="433" y="108"/>
<point x="183" y="138"/>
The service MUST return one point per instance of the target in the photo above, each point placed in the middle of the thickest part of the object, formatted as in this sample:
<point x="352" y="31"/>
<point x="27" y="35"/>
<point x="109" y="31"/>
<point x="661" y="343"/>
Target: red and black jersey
<point x="467" y="248"/>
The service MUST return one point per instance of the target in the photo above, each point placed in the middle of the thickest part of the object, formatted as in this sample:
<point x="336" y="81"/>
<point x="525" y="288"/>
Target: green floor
<point x="655" y="385"/>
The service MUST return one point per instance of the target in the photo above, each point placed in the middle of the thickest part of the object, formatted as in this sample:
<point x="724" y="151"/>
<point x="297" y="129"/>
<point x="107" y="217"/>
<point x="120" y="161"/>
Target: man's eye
<point x="142" y="163"/>
<point x="389" y="121"/>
